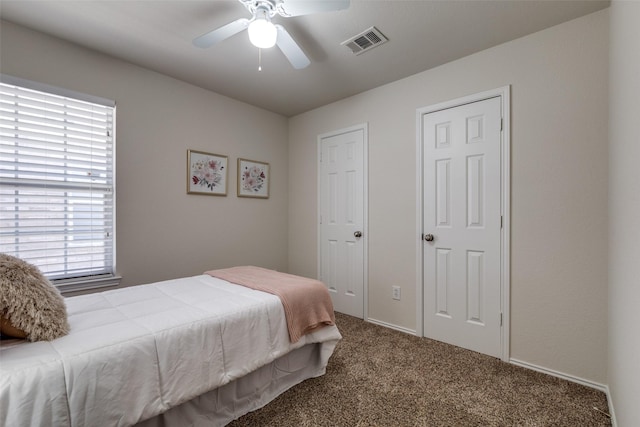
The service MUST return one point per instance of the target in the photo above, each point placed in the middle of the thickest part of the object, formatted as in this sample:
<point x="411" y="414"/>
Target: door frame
<point x="364" y="127"/>
<point x="505" y="203"/>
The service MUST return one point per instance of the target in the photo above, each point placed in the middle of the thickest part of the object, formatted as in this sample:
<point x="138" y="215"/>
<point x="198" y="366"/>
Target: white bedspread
<point x="133" y="353"/>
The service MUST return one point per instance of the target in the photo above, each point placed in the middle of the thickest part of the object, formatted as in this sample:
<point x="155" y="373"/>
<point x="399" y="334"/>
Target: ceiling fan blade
<point x="222" y="33"/>
<point x="306" y="7"/>
<point x="291" y="50"/>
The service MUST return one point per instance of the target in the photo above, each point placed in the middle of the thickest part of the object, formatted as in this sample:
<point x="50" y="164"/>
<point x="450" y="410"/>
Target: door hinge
<point x="500" y="221"/>
<point x="501" y="124"/>
<point x="500" y="319"/>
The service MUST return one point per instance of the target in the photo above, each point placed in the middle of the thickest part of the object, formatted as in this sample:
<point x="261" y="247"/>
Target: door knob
<point x="358" y="234"/>
<point x="428" y="237"/>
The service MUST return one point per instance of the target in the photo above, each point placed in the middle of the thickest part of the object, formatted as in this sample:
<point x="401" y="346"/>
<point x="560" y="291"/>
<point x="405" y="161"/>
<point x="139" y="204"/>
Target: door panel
<point x="341" y="175"/>
<point x="462" y="184"/>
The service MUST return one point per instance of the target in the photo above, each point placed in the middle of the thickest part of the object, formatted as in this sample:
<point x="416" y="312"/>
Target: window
<point x="57" y="183"/>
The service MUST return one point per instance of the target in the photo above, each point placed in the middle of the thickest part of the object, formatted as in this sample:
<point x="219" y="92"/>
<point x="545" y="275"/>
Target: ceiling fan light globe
<point x="262" y="33"/>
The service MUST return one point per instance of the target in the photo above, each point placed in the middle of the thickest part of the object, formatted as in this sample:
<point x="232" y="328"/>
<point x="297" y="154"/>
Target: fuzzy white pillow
<point x="29" y="303"/>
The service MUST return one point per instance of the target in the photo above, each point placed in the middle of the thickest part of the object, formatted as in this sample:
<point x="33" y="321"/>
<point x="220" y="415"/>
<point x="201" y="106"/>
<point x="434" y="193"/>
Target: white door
<point x="461" y="226"/>
<point x="341" y="233"/>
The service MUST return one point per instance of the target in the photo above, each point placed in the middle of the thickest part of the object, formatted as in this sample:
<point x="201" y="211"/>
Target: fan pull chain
<point x="259" y="59"/>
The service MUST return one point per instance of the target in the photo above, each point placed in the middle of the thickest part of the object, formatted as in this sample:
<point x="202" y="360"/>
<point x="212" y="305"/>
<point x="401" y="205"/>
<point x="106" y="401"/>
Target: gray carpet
<point x="381" y="377"/>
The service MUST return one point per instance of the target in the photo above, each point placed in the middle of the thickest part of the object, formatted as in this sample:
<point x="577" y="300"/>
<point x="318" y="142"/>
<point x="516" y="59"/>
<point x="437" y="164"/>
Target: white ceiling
<point x="422" y="34"/>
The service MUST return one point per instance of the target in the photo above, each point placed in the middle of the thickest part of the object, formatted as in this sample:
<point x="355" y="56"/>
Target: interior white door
<point x="342" y="237"/>
<point x="461" y="226"/>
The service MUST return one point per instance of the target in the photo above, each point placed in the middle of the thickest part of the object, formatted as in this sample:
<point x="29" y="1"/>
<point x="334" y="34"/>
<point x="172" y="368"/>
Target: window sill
<point x="75" y="285"/>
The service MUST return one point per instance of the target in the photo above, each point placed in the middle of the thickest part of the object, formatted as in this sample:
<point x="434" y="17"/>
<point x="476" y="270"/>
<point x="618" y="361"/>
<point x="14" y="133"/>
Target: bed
<point x="193" y="351"/>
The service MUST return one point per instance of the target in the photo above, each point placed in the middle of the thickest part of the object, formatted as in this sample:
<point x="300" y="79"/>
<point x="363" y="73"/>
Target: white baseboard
<point x="611" y="410"/>
<point x="601" y="387"/>
<point x="391" y="326"/>
<point x="562" y="375"/>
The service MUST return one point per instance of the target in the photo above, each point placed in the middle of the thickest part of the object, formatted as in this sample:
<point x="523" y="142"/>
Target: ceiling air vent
<point x="366" y="40"/>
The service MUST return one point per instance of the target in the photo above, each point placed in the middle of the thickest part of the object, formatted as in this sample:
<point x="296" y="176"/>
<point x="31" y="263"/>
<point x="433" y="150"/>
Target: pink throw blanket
<point x="307" y="304"/>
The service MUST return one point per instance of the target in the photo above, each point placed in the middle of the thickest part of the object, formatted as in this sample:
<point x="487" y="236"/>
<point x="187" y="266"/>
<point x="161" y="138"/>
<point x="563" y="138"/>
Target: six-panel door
<point x="461" y="170"/>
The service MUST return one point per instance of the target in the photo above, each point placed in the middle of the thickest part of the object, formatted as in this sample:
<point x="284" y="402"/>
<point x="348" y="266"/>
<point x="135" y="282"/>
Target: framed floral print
<point x="206" y="173"/>
<point x="253" y="179"/>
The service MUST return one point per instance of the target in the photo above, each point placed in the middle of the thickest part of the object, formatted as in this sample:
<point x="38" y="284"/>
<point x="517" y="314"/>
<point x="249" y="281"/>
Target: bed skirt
<point x="253" y="391"/>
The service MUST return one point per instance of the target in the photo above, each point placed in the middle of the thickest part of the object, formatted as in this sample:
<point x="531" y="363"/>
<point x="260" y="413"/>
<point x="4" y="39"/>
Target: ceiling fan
<point x="263" y="33"/>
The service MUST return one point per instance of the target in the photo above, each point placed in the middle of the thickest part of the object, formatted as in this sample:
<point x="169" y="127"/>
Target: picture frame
<point x="206" y="173"/>
<point x="253" y="179"/>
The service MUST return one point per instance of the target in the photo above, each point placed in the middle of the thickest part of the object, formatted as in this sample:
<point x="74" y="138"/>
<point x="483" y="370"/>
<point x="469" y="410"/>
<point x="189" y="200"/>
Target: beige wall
<point x="162" y="232"/>
<point x="558" y="81"/>
<point x="624" y="213"/>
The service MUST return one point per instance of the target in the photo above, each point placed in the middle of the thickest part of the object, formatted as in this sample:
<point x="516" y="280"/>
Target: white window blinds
<point x="57" y="183"/>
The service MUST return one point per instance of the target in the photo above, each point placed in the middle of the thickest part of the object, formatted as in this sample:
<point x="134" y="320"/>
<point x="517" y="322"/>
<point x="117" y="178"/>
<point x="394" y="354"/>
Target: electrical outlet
<point x="395" y="292"/>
